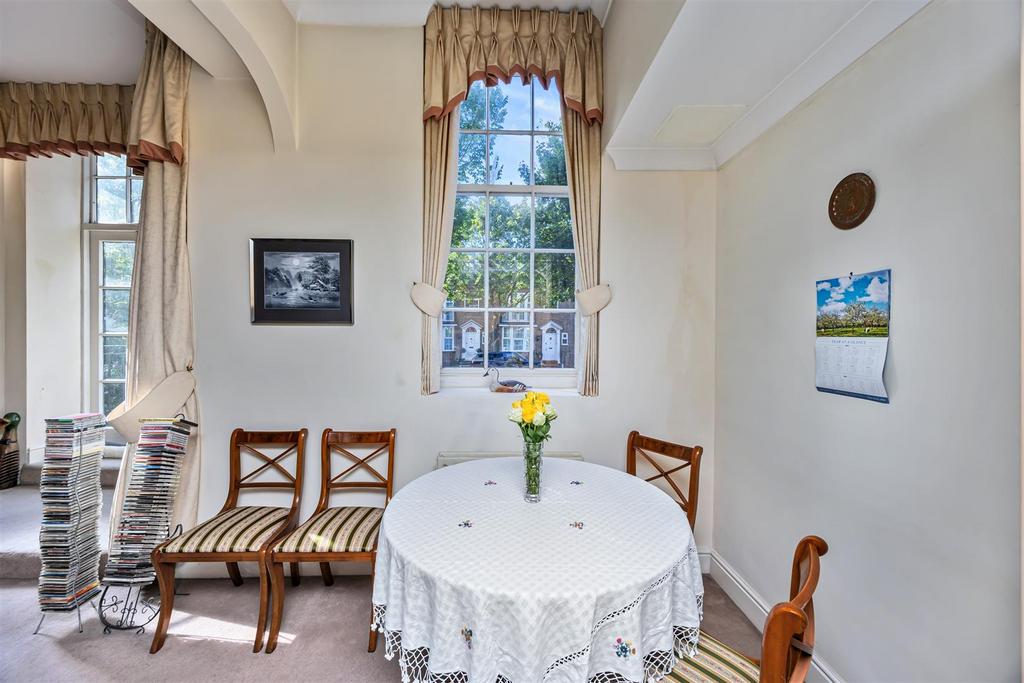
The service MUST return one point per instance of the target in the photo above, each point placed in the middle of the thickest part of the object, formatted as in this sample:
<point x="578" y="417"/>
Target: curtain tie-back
<point x="428" y="299"/>
<point x="593" y="300"/>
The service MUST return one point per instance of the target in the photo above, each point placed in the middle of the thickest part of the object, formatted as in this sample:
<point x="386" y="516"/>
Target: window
<point x="113" y="199"/>
<point x="115" y="195"/>
<point x="514" y="339"/>
<point x="449" y="338"/>
<point x="512" y="267"/>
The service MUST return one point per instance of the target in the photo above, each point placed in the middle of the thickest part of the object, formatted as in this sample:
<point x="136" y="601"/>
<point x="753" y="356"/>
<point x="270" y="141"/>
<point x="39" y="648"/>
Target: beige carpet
<point x="323" y="637"/>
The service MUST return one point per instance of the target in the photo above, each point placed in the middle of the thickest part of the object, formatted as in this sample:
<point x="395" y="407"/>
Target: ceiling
<point x="406" y="12"/>
<point x="713" y="75"/>
<point x="72" y="41"/>
<point x="728" y="70"/>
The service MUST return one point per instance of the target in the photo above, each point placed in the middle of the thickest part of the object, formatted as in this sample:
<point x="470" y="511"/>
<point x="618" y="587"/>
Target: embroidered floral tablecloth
<point x="599" y="582"/>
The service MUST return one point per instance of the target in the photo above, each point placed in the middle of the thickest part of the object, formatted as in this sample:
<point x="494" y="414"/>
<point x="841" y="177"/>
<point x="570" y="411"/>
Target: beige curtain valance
<point x="467" y="45"/>
<point x="43" y="119"/>
<point x="146" y="121"/>
<point x="158" y="113"/>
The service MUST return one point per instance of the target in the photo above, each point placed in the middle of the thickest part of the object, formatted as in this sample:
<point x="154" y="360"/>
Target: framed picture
<point x="300" y="281"/>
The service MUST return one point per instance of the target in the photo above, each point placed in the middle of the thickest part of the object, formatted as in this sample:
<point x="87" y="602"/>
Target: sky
<point x="870" y="289"/>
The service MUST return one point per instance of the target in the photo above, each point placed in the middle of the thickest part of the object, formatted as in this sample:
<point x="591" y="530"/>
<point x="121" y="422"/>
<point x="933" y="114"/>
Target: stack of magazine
<point x="10" y="459"/>
<point x="69" y="541"/>
<point x="148" y="500"/>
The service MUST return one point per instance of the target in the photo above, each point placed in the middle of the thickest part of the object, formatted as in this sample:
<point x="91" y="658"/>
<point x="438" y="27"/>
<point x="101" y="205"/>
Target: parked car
<point x="507" y="359"/>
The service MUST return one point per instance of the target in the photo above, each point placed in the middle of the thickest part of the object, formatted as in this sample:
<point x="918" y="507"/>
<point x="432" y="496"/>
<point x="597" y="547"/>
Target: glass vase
<point x="533" y="461"/>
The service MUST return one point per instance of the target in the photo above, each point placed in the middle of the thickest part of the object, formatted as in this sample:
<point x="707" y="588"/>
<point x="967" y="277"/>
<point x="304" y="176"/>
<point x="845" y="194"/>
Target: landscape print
<point x="301" y="280"/>
<point x="854" y="305"/>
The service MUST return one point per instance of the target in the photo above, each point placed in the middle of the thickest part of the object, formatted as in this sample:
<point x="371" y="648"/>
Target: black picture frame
<point x="300" y="281"/>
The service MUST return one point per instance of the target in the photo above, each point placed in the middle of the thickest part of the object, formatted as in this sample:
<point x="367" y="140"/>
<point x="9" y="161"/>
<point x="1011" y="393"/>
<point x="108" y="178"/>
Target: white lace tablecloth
<point x="600" y="581"/>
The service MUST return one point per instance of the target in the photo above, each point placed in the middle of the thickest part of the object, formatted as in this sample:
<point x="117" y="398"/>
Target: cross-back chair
<point x="341" y="534"/>
<point x="238" y="533"/>
<point x="647" y="447"/>
<point x="787" y="645"/>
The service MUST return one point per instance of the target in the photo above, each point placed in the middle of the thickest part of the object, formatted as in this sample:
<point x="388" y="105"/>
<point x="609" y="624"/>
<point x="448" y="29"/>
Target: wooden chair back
<point x="647" y="447"/>
<point x="347" y="444"/>
<point x="788" y="642"/>
<point x="291" y="443"/>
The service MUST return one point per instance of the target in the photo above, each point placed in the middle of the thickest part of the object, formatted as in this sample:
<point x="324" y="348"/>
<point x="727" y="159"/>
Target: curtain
<point x="583" y="171"/>
<point x="158" y="117"/>
<point x="160" y="329"/>
<point x="440" y="141"/>
<point x="43" y="119"/>
<point x="466" y="45"/>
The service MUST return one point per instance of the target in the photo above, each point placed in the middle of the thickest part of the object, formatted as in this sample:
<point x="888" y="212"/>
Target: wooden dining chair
<point x="238" y="533"/>
<point x="341" y="534"/>
<point x="649" y="447"/>
<point x="787" y="645"/>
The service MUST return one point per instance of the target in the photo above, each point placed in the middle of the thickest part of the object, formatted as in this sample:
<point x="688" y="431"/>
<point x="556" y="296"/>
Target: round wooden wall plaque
<point x="852" y="201"/>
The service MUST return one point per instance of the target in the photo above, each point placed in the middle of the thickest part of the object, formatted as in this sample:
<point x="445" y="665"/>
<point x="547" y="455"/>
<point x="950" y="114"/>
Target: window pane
<point x="110" y="201"/>
<point x="549" y="160"/>
<point x="468" y="230"/>
<point x="113" y="395"/>
<point x="510" y="280"/>
<point x="553" y="223"/>
<point x="110" y="164"/>
<point x="547" y="107"/>
<point x="472" y="158"/>
<point x="464" y="281"/>
<point x="554" y="344"/>
<point x="115" y="310"/>
<point x="510" y="160"/>
<point x="467" y="341"/>
<point x="136" y="199"/>
<point x="509" y="343"/>
<point x="471" y="111"/>
<point x="117" y="263"/>
<point x="115" y="353"/>
<point x="510" y="221"/>
<point x="510" y="105"/>
<point x="554" y="281"/>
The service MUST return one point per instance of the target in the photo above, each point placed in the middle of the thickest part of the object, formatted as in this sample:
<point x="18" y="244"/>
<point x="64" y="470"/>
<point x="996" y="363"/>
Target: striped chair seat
<point x="335" y="530"/>
<point x="715" y="662"/>
<point x="239" y="530"/>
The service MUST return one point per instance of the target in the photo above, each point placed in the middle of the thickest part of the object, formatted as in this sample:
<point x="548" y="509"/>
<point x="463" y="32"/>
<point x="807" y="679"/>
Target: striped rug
<point x="715" y="662"/>
<point x="239" y="530"/>
<point x="336" y="530"/>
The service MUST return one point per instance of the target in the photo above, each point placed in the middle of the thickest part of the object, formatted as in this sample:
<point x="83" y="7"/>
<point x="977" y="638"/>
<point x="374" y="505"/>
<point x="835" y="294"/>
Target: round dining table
<point x="598" y="582"/>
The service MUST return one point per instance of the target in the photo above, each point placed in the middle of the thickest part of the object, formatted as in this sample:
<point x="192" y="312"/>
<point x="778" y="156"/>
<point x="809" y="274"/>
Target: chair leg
<point x="293" y="569"/>
<point x="165" y="577"/>
<point x="236" y="576"/>
<point x="261" y="623"/>
<point x="325" y="571"/>
<point x="372" y="645"/>
<point x="277" y="594"/>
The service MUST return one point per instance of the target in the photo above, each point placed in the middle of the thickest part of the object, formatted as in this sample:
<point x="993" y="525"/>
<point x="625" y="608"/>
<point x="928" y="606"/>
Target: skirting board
<point x="755" y="608"/>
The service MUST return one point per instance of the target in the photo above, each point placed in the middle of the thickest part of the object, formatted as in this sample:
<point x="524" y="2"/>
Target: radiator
<point x="446" y="458"/>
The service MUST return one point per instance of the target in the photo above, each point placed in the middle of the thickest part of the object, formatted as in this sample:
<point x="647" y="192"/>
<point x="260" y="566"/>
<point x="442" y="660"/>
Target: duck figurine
<point x="509" y="386"/>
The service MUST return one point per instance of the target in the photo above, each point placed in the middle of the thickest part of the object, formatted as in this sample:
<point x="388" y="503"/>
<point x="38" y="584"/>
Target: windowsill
<point x="477" y="391"/>
<point x="562" y="381"/>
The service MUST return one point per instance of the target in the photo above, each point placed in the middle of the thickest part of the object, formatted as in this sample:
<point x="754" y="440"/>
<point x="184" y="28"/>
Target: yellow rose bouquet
<point x="534" y="415"/>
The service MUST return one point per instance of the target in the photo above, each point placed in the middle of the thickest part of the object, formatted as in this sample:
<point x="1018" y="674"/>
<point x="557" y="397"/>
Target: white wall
<point x="918" y="499"/>
<point x="358" y="175"/>
<point x="53" y="292"/>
